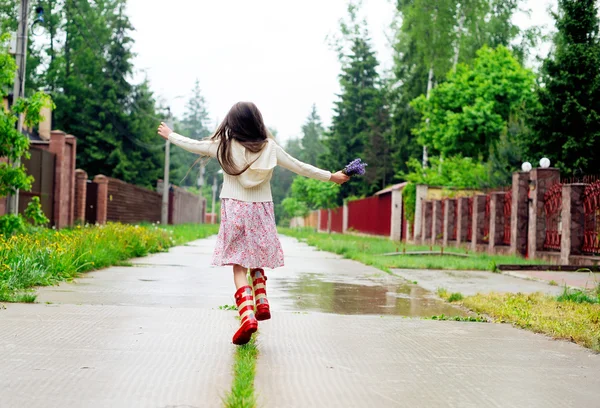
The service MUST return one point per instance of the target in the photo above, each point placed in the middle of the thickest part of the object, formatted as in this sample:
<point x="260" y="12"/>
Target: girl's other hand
<point x="164" y="131"/>
<point x="339" y="178"/>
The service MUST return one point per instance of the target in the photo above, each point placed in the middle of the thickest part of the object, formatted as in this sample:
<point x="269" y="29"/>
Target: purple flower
<point x="355" y="168"/>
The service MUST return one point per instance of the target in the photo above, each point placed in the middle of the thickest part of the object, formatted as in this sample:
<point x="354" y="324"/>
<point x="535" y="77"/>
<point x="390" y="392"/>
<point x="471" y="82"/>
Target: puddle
<point x="314" y="293"/>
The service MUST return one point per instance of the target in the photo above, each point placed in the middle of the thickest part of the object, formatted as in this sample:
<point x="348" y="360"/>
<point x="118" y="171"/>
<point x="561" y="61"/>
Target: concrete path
<point x="152" y="336"/>
<point x="473" y="282"/>
<point x="584" y="280"/>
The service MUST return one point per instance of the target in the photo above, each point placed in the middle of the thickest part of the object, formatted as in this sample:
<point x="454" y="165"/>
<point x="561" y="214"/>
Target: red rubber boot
<point x="259" y="281"/>
<point x="248" y="323"/>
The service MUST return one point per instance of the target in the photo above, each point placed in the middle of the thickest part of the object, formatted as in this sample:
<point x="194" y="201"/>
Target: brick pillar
<point x="80" y="195"/>
<point x="519" y="217"/>
<point x="396" y="219"/>
<point x="573" y="219"/>
<point x="421" y="196"/>
<point x="102" y="199"/>
<point x="462" y="220"/>
<point x="449" y="220"/>
<point x="72" y="141"/>
<point x="478" y="221"/>
<point x="57" y="147"/>
<point x="426" y="222"/>
<point x="540" y="181"/>
<point x="496" y="220"/>
<point x="438" y="219"/>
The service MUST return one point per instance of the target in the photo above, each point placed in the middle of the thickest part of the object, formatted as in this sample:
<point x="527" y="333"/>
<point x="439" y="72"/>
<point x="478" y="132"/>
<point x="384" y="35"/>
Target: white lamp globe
<point x="545" y="163"/>
<point x="526" y="167"/>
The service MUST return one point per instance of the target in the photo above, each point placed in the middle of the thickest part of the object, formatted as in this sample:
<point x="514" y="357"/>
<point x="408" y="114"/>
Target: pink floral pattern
<point x="248" y="235"/>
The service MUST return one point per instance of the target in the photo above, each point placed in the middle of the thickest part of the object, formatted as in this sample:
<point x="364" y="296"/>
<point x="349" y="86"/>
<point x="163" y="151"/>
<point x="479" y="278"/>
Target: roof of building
<point x="395" y="187"/>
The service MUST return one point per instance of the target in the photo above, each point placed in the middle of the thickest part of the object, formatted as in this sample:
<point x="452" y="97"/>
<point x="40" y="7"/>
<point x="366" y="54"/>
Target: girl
<point x="247" y="237"/>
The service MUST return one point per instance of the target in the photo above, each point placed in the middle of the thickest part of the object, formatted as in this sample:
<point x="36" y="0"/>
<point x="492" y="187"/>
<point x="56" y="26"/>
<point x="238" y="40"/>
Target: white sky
<point x="271" y="52"/>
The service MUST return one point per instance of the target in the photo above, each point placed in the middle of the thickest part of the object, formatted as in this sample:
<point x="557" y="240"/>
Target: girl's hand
<point x="339" y="178"/>
<point x="164" y="131"/>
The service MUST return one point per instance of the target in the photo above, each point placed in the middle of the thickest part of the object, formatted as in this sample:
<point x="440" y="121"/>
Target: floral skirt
<point x="248" y="236"/>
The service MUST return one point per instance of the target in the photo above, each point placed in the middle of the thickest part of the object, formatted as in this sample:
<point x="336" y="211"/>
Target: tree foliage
<point x="566" y="123"/>
<point x="468" y="113"/>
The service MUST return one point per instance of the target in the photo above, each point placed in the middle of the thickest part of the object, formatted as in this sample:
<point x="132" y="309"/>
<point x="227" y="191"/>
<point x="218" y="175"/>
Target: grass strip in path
<point x="47" y="257"/>
<point x="370" y="250"/>
<point x="564" y="317"/>
<point x="242" y="393"/>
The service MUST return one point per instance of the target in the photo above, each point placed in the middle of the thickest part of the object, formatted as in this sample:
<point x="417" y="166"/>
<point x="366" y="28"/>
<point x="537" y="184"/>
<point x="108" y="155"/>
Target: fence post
<point x="438" y="219"/>
<point x="519" y="217"/>
<point x="101" y="199"/>
<point x="496" y="221"/>
<point x="345" y="218"/>
<point x="80" y="195"/>
<point x="396" y="218"/>
<point x="462" y="220"/>
<point x="540" y="180"/>
<point x="449" y="220"/>
<point x="420" y="199"/>
<point x="478" y="224"/>
<point x="573" y="220"/>
<point x="426" y="222"/>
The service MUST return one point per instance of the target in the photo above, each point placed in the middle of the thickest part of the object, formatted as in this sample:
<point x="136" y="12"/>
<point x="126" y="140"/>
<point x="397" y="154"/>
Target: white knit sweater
<point x="254" y="184"/>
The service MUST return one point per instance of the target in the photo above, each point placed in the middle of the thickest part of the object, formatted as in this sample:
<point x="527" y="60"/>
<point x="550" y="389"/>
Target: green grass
<point x="227" y="307"/>
<point x="48" y="257"/>
<point x="578" y="296"/>
<point x="455" y="297"/>
<point x="244" y="369"/>
<point x="369" y="250"/>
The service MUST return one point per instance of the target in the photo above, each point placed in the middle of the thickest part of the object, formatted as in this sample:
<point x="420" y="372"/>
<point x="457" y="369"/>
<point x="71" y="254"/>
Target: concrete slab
<point x="584" y="280"/>
<point x="473" y="282"/>
<point x="327" y="360"/>
<point x="114" y="356"/>
<point x="144" y="336"/>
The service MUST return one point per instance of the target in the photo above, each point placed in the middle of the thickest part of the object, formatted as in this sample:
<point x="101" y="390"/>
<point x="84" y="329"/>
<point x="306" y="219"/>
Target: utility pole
<point x="164" y="216"/>
<point x="12" y="202"/>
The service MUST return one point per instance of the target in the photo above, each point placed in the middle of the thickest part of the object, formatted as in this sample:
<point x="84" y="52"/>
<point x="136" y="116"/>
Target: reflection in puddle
<point x="309" y="292"/>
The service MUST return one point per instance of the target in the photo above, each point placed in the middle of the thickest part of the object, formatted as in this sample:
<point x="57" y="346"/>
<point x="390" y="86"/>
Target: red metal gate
<point x="40" y="165"/>
<point x="591" y="230"/>
<point x="507" y="217"/>
<point x="552" y="209"/>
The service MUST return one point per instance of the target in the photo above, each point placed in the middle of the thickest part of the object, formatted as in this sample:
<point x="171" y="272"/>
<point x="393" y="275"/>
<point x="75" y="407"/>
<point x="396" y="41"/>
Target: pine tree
<point x="353" y="113"/>
<point x="195" y="124"/>
<point x="312" y="131"/>
<point x="567" y="123"/>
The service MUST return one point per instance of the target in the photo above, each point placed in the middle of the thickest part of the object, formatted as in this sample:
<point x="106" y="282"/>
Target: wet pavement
<point x="341" y="335"/>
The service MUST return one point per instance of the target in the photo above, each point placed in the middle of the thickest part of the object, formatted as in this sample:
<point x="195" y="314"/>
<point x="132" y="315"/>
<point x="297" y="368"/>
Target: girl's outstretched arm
<point x="288" y="162"/>
<point x="202" y="147"/>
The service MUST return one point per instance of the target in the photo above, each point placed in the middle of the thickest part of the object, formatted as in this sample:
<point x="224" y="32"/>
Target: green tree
<point x="431" y="39"/>
<point x="13" y="144"/>
<point x="316" y="195"/>
<point x="196" y="125"/>
<point x="468" y="113"/>
<point x="357" y="114"/>
<point x="566" y="124"/>
<point x="312" y="134"/>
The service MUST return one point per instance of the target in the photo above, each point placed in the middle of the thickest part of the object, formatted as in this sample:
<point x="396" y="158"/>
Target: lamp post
<point x="164" y="215"/>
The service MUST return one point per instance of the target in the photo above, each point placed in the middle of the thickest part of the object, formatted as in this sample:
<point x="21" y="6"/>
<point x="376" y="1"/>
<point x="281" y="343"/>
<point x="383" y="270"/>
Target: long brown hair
<point x="243" y="123"/>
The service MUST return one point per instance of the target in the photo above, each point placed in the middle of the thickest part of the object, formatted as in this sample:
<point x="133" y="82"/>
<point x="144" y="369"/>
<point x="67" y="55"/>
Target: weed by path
<point x="242" y="393"/>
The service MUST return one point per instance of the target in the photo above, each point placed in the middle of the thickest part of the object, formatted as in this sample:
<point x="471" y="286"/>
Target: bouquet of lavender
<point x="355" y="168"/>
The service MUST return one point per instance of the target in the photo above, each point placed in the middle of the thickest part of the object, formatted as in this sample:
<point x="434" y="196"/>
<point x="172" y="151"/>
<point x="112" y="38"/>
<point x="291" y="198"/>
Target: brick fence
<point x="539" y="217"/>
<point x="108" y="199"/>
